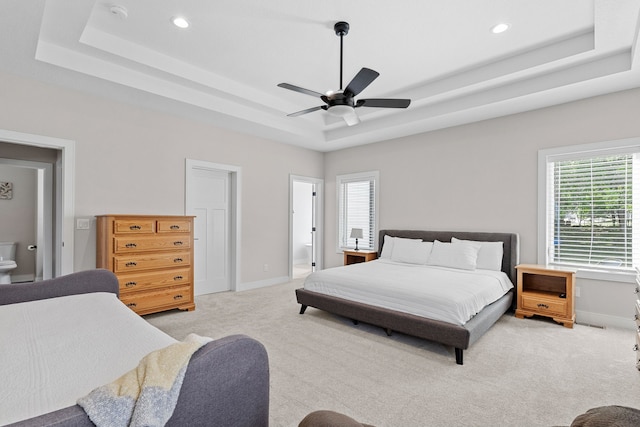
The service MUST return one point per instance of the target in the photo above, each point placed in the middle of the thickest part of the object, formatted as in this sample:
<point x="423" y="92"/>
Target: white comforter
<point x="439" y="293"/>
<point x="54" y="351"/>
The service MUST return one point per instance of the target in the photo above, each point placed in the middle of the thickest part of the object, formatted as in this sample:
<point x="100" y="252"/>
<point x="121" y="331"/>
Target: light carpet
<point x="522" y="372"/>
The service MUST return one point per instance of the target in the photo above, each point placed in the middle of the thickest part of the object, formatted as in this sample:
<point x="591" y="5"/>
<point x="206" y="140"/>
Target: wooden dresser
<point x="152" y="256"/>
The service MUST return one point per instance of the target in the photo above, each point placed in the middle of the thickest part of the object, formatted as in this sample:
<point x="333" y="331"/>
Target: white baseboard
<point x="597" y="319"/>
<point x="262" y="283"/>
<point x="20" y="278"/>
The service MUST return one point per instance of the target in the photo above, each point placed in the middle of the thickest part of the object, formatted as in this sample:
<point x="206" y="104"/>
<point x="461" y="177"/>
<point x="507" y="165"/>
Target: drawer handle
<point x="177" y="278"/>
<point x="131" y="245"/>
<point x="130" y="284"/>
<point x="178" y="243"/>
<point x="134" y="227"/>
<point x="636" y="290"/>
<point x="132" y="304"/>
<point x="177" y="260"/>
<point x="175" y="227"/>
<point x="131" y="264"/>
<point x="635" y="347"/>
<point x="635" y="317"/>
<point x="543" y="306"/>
<point x="179" y="296"/>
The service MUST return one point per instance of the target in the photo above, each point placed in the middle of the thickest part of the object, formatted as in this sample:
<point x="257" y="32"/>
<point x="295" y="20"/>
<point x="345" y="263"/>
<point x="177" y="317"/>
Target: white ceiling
<point x="224" y="68"/>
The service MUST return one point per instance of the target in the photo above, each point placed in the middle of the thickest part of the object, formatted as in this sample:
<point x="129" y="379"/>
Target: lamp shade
<point x="356" y="233"/>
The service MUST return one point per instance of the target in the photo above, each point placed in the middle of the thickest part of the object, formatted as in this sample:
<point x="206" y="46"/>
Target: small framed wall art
<point x="6" y="190"/>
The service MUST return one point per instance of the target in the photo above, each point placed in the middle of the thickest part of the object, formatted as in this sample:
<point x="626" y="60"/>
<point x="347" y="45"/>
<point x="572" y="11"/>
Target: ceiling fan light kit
<point x="341" y="103"/>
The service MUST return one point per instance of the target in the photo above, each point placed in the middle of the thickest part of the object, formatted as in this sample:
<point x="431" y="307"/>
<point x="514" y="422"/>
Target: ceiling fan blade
<point x="351" y="119"/>
<point x="308" y="110"/>
<point x="383" y="103"/>
<point x="300" y="89"/>
<point x="360" y="81"/>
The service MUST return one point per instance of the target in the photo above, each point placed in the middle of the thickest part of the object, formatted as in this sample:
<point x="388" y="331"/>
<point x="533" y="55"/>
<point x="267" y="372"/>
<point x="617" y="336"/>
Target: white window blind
<point x="590" y="215"/>
<point x="357" y="209"/>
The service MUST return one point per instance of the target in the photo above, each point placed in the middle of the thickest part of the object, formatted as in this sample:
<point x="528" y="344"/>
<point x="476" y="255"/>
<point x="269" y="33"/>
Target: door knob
<point x="32" y="247"/>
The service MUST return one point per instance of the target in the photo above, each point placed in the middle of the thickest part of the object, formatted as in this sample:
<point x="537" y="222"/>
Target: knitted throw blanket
<point x="146" y="395"/>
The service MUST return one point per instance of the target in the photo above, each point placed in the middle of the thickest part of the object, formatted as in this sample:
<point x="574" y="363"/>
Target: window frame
<point x="545" y="156"/>
<point x="355" y="177"/>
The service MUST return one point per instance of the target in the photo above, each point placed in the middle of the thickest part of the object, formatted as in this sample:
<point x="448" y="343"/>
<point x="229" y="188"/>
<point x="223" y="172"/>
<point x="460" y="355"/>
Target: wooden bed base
<point x="460" y="337"/>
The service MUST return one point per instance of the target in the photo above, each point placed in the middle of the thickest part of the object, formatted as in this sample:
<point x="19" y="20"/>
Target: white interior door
<point x="208" y="199"/>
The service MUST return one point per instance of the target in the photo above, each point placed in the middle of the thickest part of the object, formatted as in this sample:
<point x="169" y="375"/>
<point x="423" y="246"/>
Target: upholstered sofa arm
<point x="82" y="282"/>
<point x="226" y="384"/>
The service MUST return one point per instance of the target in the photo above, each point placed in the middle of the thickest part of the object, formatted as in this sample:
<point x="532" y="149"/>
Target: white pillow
<point x="461" y="255"/>
<point x="489" y="254"/>
<point x="387" y="247"/>
<point x="411" y="251"/>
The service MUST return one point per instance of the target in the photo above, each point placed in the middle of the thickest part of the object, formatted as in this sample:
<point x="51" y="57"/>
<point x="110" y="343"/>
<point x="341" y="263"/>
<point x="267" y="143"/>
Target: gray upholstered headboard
<point x="511" y="248"/>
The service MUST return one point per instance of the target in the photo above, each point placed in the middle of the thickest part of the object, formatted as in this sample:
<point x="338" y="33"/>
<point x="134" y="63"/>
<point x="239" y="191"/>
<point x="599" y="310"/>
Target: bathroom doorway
<point x="59" y="154"/>
<point x="27" y="217"/>
<point x="305" y="243"/>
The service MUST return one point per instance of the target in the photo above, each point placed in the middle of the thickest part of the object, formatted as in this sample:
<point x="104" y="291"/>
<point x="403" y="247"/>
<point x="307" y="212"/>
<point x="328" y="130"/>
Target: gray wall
<point x="483" y="176"/>
<point x="132" y="161"/>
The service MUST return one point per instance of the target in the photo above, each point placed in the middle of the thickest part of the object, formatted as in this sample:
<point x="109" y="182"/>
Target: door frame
<point x="63" y="245"/>
<point x="235" y="196"/>
<point x="319" y="220"/>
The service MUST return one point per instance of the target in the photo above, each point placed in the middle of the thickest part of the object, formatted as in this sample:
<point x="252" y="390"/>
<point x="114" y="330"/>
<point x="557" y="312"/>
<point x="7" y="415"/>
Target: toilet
<point x="7" y="261"/>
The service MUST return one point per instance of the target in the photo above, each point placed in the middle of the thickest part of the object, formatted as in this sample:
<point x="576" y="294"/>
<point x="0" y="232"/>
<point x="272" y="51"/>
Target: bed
<point x="62" y="338"/>
<point x="459" y="334"/>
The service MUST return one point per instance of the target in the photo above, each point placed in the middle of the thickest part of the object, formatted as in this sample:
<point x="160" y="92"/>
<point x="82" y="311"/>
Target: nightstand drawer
<point x="638" y="350"/>
<point x="544" y="304"/>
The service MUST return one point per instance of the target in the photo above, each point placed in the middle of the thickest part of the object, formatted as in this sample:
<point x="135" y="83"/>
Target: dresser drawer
<point x="544" y="304"/>
<point x="142" y="302"/>
<point x="174" y="226"/>
<point x="137" y="262"/>
<point x="128" y="226"/>
<point x="140" y="243"/>
<point x="161" y="279"/>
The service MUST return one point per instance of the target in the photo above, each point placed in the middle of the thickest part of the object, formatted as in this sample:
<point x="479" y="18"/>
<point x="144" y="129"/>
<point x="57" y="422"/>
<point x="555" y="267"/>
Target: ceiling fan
<point x="341" y="103"/>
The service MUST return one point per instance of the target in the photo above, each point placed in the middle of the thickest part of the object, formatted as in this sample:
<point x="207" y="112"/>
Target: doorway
<point x="212" y="198"/>
<point x="28" y="218"/>
<point x="305" y="230"/>
<point x="17" y="146"/>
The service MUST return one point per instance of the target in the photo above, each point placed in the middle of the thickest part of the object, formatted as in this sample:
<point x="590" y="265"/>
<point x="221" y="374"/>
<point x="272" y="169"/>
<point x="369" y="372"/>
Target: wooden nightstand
<point x="546" y="291"/>
<point x="353" y="257"/>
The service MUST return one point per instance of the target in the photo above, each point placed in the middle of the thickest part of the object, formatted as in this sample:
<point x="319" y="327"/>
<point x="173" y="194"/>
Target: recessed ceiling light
<point x="500" y="28"/>
<point x="180" y="22"/>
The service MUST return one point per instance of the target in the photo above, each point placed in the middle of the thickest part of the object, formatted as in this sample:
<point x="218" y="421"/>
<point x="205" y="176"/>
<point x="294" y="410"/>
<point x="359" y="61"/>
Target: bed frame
<point x="459" y="337"/>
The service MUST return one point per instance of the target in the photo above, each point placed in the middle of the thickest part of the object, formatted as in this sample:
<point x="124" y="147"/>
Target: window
<point x="587" y="195"/>
<point x="357" y="208"/>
